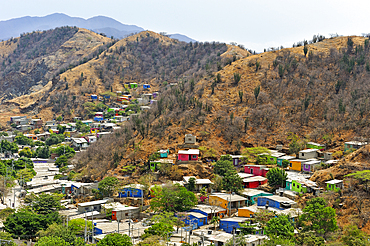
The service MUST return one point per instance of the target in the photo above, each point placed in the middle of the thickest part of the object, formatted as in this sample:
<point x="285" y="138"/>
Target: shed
<point x="133" y="85"/>
<point x="146" y="86"/>
<point x="308" y="154"/>
<point x="353" y="145"/>
<point x="296" y="164"/>
<point x="310" y="165"/>
<point x="94" y="97"/>
<point x="199" y="183"/>
<point x="334" y="184"/>
<point x="188" y="155"/>
<point x="190" y="139"/>
<point x="163" y="153"/>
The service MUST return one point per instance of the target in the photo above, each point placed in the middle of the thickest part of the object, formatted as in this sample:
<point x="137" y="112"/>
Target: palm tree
<point x="215" y="220"/>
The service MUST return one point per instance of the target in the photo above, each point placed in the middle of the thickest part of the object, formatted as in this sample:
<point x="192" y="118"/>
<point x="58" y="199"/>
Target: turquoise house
<point x="288" y="184"/>
<point x="252" y="194"/>
<point x="163" y="153"/>
<point x="280" y="159"/>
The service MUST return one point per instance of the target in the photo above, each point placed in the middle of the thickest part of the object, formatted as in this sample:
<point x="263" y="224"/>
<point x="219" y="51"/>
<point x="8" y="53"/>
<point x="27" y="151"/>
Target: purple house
<point x="237" y="160"/>
<point x="310" y="165"/>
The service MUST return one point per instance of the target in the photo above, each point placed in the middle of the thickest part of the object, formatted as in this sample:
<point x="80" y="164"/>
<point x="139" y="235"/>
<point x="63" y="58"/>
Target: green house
<point x="297" y="186"/>
<point x="252" y="195"/>
<point x="312" y="145"/>
<point x="133" y="85"/>
<point x="269" y="158"/>
<point x="334" y="185"/>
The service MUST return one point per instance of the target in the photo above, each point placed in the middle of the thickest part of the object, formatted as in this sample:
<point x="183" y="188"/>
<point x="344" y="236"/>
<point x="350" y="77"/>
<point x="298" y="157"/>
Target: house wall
<point x="130" y="192"/>
<point x="245" y="212"/>
<point x="255" y="170"/>
<point x="334" y="187"/>
<point x="214" y="200"/>
<point x="288" y="185"/>
<point x="254" y="184"/>
<point x="307" y="155"/>
<point x="306" y="167"/>
<point x="295" y="165"/>
<point x="297" y="187"/>
<point x="197" y="222"/>
<point x="125" y="214"/>
<point x="163" y="155"/>
<point x="228" y="226"/>
<point x="182" y="157"/>
<point x="194" y="157"/>
<point x="261" y="201"/>
<point x="220" y="214"/>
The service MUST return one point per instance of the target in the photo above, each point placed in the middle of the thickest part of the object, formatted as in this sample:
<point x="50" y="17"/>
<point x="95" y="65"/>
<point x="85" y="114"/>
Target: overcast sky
<point x="257" y="24"/>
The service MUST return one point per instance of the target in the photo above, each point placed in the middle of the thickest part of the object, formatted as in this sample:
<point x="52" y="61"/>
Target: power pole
<point x="92" y="220"/>
<point x="85" y="226"/>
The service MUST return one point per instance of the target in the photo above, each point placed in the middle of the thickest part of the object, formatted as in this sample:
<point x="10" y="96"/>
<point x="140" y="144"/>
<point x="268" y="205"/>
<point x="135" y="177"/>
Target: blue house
<point x="146" y="86"/>
<point x="133" y="190"/>
<point x="163" y="153"/>
<point x="94" y="97"/>
<point x="279" y="202"/>
<point x="195" y="220"/>
<point x="209" y="211"/>
<point x="229" y="224"/>
<point x="106" y="96"/>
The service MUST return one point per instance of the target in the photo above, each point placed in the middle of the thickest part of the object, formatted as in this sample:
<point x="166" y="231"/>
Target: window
<point x="194" y="157"/>
<point x="293" y="184"/>
<point x="302" y="154"/>
<point x="290" y="164"/>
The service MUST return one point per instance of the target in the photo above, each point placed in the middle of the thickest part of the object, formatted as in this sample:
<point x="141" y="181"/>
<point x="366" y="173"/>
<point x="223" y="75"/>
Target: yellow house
<point x="67" y="134"/>
<point x="223" y="200"/>
<point x="296" y="164"/>
<point x="247" y="211"/>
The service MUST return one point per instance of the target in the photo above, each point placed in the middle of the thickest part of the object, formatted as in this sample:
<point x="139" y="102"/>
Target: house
<point x="304" y="186"/>
<point x="31" y="136"/>
<point x="228" y="224"/>
<point x="209" y="211"/>
<point x="296" y="164"/>
<point x="190" y="139"/>
<point x="279" y="160"/>
<point x="199" y="183"/>
<point x="353" y="145"/>
<point x="132" y="190"/>
<point x="91" y="139"/>
<point x="252" y="194"/>
<point x="37" y="123"/>
<point x="279" y="202"/>
<point x="23" y="128"/>
<point x="79" y="143"/>
<point x="91" y="206"/>
<point x="94" y="97"/>
<point x="9" y="138"/>
<point x="98" y="116"/>
<point x="188" y="155"/>
<point x="248" y="212"/>
<point x="133" y="85"/>
<point x="249" y="240"/>
<point x="223" y="200"/>
<point x="334" y="185"/>
<point x="308" y="154"/>
<point x="163" y="153"/>
<point x="237" y="160"/>
<point x="87" y="122"/>
<point x="19" y="120"/>
<point x="254" y="182"/>
<point x="245" y="175"/>
<point x="101" y="134"/>
<point x="146" y="86"/>
<point x="256" y="170"/>
<point x="195" y="220"/>
<point x="83" y="188"/>
<point x="294" y="176"/>
<point x="120" y="118"/>
<point x="310" y="165"/>
<point x="44" y="135"/>
<point x="143" y="108"/>
<point x="312" y="145"/>
<point x="125" y="212"/>
<point x="155" y="94"/>
<point x="270" y="158"/>
<point x="119" y="93"/>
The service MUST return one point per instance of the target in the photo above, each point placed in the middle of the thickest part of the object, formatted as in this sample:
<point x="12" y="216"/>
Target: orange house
<point x="247" y="211"/>
<point x="223" y="200"/>
<point x="296" y="164"/>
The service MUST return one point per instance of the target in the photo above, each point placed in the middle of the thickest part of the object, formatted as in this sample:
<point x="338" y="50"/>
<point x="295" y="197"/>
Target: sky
<point x="256" y="24"/>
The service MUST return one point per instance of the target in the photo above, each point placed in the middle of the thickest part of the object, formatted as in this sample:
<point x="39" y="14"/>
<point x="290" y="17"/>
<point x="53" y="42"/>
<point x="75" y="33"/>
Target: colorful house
<point x="133" y="190"/>
<point x="249" y="212"/>
<point x="334" y="185"/>
<point x="94" y="97"/>
<point x="155" y="94"/>
<point x="237" y="160"/>
<point x="163" y="153"/>
<point x="119" y="93"/>
<point x="308" y="154"/>
<point x="94" y="130"/>
<point x="279" y="202"/>
<point x="269" y="158"/>
<point x="310" y="165"/>
<point x="312" y="145"/>
<point x="304" y="186"/>
<point x="195" y="220"/>
<point x="353" y="145"/>
<point x="223" y="200"/>
<point x="133" y="85"/>
<point x="256" y="170"/>
<point x="146" y="86"/>
<point x="279" y="160"/>
<point x="209" y="211"/>
<point x="98" y="116"/>
<point x="188" y="155"/>
<point x="296" y="164"/>
<point x="252" y="194"/>
<point x="254" y="182"/>
<point x="228" y="224"/>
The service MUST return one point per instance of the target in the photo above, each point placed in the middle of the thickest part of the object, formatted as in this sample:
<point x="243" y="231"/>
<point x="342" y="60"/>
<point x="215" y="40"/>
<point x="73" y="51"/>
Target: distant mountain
<point x="99" y="24"/>
<point x="181" y="37"/>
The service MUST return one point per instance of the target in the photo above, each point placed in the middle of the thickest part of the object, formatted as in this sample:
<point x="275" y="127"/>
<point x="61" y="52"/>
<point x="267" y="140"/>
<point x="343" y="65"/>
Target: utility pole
<point x="85" y="226"/>
<point x="234" y="236"/>
<point x="118" y="225"/>
<point x="92" y="220"/>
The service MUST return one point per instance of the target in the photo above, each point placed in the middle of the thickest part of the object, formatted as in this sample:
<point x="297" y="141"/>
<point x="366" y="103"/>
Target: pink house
<point x="188" y="155"/>
<point x="256" y="170"/>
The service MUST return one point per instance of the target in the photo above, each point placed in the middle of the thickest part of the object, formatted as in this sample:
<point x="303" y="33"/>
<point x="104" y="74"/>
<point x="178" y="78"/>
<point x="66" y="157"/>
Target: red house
<point x="256" y="170"/>
<point x="254" y="182"/>
<point x="188" y="155"/>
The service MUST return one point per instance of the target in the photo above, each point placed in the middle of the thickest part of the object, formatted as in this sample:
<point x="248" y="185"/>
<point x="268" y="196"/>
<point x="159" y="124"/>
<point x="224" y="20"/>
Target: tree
<point x="161" y="229"/>
<point x="151" y="241"/>
<point x="285" y="163"/>
<point x="353" y="236"/>
<point x="8" y="237"/>
<point x="108" y="185"/>
<point x="305" y="50"/>
<point x="318" y="217"/>
<point x="61" y="129"/>
<point x="252" y="153"/>
<point x="54" y="139"/>
<point x="59" y="118"/>
<point x="115" y="239"/>
<point x="309" y="239"/>
<point x="26" y="152"/>
<point x="232" y="181"/>
<point x="26" y="174"/>
<point x="61" y="161"/>
<point x="241" y="96"/>
<point x="23" y="140"/>
<point x="217" y="183"/>
<point x="280" y="226"/>
<point x="223" y="165"/>
<point x="52" y="240"/>
<point x="273" y="241"/>
<point x="7" y="146"/>
<point x="58" y="230"/>
<point x="43" y="152"/>
<point x="257" y="92"/>
<point x="77" y="226"/>
<point x="173" y="198"/>
<point x="363" y="176"/>
<point x="276" y="177"/>
<point x="44" y="203"/>
<point x="237" y="78"/>
<point x="215" y="220"/>
<point x="191" y="184"/>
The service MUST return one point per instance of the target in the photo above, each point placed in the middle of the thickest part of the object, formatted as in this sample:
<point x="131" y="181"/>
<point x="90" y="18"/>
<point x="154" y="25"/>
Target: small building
<point x="91" y="139"/>
<point x="304" y="186"/>
<point x="188" y="155"/>
<point x="143" y="108"/>
<point x="248" y="212"/>
<point x="279" y="202"/>
<point x="195" y="220"/>
<point x="237" y="160"/>
<point x="223" y="200"/>
<point x="271" y="158"/>
<point x="334" y="185"/>
<point x="279" y="160"/>
<point x="132" y="190"/>
<point x="94" y="97"/>
<point x="199" y="183"/>
<point x="91" y="206"/>
<point x="256" y="170"/>
<point x="119" y="93"/>
<point x="353" y="145"/>
<point x="253" y="194"/>
<point x="80" y="143"/>
<point x="254" y="182"/>
<point x="308" y="154"/>
<point x="190" y="139"/>
<point x="125" y="212"/>
<point x="312" y="145"/>
<point x="310" y="165"/>
<point x="133" y="85"/>
<point x="228" y="224"/>
<point x="163" y="153"/>
<point x="296" y="164"/>
<point x="209" y="211"/>
<point x="31" y="136"/>
<point x="146" y="86"/>
<point x="37" y="123"/>
<point x="98" y="116"/>
<point x="155" y="94"/>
